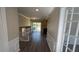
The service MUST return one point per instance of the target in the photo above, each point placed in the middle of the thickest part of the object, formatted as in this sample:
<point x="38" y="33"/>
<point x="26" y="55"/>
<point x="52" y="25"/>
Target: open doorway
<point x="36" y="26"/>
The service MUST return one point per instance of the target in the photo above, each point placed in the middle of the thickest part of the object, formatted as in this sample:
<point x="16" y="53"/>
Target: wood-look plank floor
<point x="37" y="43"/>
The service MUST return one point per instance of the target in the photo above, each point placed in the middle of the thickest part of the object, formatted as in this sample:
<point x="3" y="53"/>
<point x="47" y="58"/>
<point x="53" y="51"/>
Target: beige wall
<point x="24" y="21"/>
<point x="12" y="23"/>
<point x="52" y="29"/>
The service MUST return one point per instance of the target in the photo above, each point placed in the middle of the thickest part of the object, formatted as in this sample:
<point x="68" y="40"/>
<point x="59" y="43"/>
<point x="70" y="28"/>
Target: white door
<point x="71" y="30"/>
<point x="1" y="41"/>
<point x="3" y="31"/>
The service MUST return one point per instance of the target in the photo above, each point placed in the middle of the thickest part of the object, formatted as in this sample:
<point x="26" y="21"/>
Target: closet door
<point x="71" y="30"/>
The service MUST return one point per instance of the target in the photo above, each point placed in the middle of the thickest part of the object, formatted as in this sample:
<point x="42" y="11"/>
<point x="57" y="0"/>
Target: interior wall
<point x="9" y="36"/>
<point x="24" y="21"/>
<point x="52" y="28"/>
<point x="12" y="28"/>
<point x="12" y="22"/>
<point x="3" y="31"/>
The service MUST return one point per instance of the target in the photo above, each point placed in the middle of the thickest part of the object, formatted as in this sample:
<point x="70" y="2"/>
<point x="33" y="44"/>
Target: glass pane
<point x="78" y="33"/>
<point x="64" y="48"/>
<point x="68" y="17"/>
<point x="71" y="42"/>
<point x="69" y="9"/>
<point x="77" y="46"/>
<point x="76" y="17"/>
<point x="68" y="50"/>
<point x="67" y="28"/>
<point x="76" y="10"/>
<point x="65" y="39"/>
<point x="73" y="28"/>
<point x="65" y="42"/>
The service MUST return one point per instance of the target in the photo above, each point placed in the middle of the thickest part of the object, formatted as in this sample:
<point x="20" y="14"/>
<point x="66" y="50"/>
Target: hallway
<point x="24" y="28"/>
<point x="37" y="43"/>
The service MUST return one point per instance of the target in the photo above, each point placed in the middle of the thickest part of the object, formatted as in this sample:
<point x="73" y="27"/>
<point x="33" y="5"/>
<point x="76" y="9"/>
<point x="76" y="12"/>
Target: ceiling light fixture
<point x="36" y="9"/>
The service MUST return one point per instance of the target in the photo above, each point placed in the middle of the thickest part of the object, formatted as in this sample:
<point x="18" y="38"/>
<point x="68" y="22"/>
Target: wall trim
<point x="60" y="30"/>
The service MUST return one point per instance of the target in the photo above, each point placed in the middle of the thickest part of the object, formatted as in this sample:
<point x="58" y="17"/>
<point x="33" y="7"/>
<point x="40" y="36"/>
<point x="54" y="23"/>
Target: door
<point x="3" y="31"/>
<point x="71" y="30"/>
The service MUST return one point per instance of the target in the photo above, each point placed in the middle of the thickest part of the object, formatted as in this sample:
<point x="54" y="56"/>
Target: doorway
<point x="36" y="26"/>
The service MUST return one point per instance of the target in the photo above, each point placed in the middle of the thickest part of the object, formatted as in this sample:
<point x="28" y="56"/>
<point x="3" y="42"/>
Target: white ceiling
<point x="30" y="11"/>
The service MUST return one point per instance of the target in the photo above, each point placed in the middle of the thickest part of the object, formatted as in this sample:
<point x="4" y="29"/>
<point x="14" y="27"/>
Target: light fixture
<point x="36" y="9"/>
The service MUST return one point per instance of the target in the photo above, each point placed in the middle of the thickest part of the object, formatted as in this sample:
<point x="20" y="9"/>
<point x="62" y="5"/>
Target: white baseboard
<point x="14" y="45"/>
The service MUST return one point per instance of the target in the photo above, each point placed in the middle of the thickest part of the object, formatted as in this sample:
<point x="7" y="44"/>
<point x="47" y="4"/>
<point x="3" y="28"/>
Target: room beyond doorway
<point x="36" y="26"/>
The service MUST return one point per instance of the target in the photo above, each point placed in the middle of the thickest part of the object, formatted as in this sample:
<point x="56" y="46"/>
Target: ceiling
<point x="32" y="13"/>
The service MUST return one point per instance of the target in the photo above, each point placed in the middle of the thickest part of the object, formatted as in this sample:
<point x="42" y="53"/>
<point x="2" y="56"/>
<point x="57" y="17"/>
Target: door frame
<point x="60" y="30"/>
<point x="3" y="31"/>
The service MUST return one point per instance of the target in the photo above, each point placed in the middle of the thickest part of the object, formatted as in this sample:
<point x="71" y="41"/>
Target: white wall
<point x="12" y="23"/>
<point x="52" y="29"/>
<point x="13" y="28"/>
<point x="14" y="45"/>
<point x="9" y="30"/>
<point x="24" y="21"/>
<point x="3" y="31"/>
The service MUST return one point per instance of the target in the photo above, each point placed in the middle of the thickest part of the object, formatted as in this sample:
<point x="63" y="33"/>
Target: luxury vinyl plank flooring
<point x="37" y="43"/>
